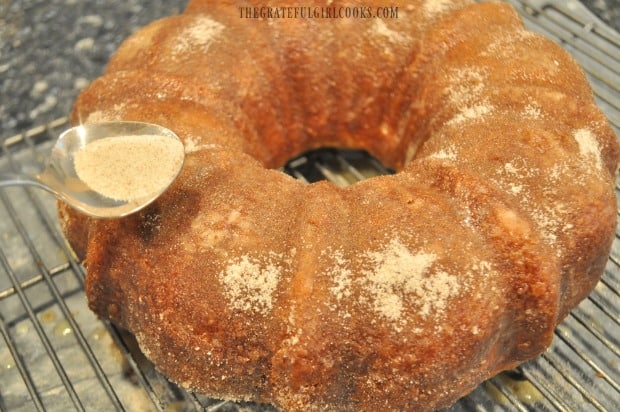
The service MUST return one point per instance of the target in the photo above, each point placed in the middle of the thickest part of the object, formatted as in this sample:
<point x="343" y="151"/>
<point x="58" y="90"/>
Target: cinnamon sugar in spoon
<point x="108" y="169"/>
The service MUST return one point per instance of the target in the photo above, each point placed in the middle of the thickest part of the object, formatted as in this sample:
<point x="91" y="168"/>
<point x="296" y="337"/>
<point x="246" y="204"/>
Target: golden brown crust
<point x="399" y="292"/>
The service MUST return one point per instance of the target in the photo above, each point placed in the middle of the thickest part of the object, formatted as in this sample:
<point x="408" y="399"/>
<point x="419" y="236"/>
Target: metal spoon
<point x="60" y="178"/>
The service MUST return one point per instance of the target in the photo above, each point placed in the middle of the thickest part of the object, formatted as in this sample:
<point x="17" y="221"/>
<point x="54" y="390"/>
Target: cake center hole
<point x="341" y="167"/>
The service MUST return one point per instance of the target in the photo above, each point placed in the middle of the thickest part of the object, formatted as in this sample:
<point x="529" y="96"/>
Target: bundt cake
<point x="401" y="292"/>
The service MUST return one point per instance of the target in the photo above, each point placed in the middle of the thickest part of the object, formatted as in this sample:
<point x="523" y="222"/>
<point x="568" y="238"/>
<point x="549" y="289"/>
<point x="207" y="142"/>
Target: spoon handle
<point x="17" y="179"/>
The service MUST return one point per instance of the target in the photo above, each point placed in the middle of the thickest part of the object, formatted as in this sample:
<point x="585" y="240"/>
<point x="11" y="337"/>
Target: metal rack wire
<point x="56" y="355"/>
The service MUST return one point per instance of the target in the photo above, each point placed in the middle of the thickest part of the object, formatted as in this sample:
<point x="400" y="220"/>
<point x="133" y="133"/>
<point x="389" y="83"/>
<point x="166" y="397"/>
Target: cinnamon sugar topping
<point x="129" y="168"/>
<point x="447" y="153"/>
<point x="393" y="278"/>
<point x="399" y="276"/>
<point x="432" y="7"/>
<point x="199" y="35"/>
<point x="249" y="284"/>
<point x="342" y="278"/>
<point x="532" y="110"/>
<point x="465" y="93"/>
<point x="393" y="36"/>
<point x="588" y="147"/>
<point x="471" y="113"/>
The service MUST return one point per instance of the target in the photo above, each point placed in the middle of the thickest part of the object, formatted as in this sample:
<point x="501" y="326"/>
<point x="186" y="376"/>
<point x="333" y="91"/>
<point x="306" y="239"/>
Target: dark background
<point x="51" y="49"/>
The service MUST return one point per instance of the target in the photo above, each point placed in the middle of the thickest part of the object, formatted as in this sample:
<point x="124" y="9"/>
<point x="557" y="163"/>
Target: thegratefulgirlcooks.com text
<point x="318" y="12"/>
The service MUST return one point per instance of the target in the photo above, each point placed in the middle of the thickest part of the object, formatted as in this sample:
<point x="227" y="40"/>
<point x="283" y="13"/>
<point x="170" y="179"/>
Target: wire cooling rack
<point x="56" y="355"/>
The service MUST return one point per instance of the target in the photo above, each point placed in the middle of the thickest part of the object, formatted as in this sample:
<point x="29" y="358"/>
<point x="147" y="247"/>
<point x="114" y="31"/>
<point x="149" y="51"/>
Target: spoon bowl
<point x="60" y="177"/>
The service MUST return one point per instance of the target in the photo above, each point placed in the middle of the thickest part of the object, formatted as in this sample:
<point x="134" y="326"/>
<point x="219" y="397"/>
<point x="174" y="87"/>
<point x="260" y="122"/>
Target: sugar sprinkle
<point x="250" y="283"/>
<point x="129" y="168"/>
<point x="399" y="275"/>
<point x="588" y="146"/>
